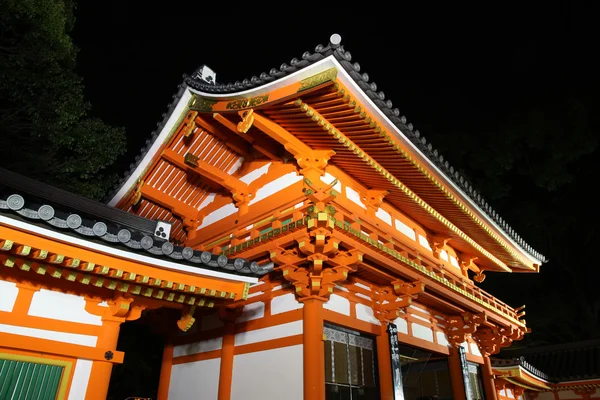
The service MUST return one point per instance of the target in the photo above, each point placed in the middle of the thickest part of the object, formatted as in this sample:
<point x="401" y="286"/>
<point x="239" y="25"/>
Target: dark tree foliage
<point x="46" y="131"/>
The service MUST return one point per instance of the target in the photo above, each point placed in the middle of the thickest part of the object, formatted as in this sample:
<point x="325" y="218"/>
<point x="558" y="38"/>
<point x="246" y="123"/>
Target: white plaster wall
<point x="270" y="333"/>
<point x="61" y="306"/>
<point x="8" y="295"/>
<point x="328" y="179"/>
<point x="287" y="302"/>
<point x="475" y="349"/>
<point x="405" y="229"/>
<point x="81" y="377"/>
<point x="270" y="374"/>
<point x="218" y="215"/>
<point x="252" y="311"/>
<point x="254" y="175"/>
<point x="353" y="196"/>
<point x="384" y="216"/>
<point x="442" y="338"/>
<point x="74" y="338"/>
<point x="195" y="381"/>
<point x="402" y="325"/>
<point x="275" y="186"/>
<point x="365" y="313"/>
<point x="423" y="242"/>
<point x="422" y="332"/>
<point x="198" y="347"/>
<point x="338" y="304"/>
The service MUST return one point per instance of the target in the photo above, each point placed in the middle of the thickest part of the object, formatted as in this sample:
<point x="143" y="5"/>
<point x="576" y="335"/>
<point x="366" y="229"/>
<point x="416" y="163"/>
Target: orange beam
<point x="44" y="346"/>
<point x="281" y="135"/>
<point x="178" y="208"/>
<point x="208" y="171"/>
<point x="256" y="143"/>
<point x="234" y="143"/>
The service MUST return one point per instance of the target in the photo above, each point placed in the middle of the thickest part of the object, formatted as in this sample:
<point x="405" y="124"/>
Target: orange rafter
<point x="178" y="208"/>
<point x="259" y="145"/>
<point x="92" y="264"/>
<point x="234" y="143"/>
<point x="190" y="163"/>
<point x="281" y="135"/>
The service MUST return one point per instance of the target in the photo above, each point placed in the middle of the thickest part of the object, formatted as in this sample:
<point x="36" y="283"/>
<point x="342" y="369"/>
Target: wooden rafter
<point x="234" y="143"/>
<point x="258" y="144"/>
<point x="178" y="208"/>
<point x="239" y="190"/>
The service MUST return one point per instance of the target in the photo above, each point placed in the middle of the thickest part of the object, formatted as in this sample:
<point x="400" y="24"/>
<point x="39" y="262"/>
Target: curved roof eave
<point x="349" y="73"/>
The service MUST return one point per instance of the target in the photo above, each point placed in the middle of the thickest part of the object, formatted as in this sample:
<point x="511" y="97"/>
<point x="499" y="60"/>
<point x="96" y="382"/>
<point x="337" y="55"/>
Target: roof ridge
<point x="344" y="57"/>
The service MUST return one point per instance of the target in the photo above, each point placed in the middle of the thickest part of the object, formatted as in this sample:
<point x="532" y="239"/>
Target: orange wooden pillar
<point x="227" y="353"/>
<point x="101" y="370"/>
<point x="165" y="372"/>
<point x="313" y="349"/>
<point x="456" y="375"/>
<point x="488" y="379"/>
<point x="386" y="385"/>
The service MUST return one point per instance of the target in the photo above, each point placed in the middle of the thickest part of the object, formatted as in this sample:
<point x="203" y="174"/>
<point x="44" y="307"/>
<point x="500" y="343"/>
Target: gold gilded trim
<point x="202" y="104"/>
<point x="247" y="103"/>
<point x="318" y="79"/>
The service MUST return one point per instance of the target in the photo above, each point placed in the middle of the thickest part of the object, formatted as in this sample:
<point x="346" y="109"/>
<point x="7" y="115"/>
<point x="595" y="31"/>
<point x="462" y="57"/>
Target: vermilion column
<point x="101" y="370"/>
<point x="314" y="349"/>
<point x="165" y="372"/>
<point x="385" y="365"/>
<point x="227" y="353"/>
<point x="456" y="377"/>
<point x="488" y="379"/>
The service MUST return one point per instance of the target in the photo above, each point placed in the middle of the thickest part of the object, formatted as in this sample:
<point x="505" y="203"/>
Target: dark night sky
<point x="454" y="72"/>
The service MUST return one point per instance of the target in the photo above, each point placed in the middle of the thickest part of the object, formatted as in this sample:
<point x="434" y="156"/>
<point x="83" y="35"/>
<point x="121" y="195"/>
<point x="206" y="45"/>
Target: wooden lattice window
<point x="350" y="372"/>
<point x="22" y="380"/>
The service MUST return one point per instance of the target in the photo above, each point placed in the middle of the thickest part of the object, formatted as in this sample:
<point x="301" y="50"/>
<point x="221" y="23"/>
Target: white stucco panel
<point x="422" y="332"/>
<point x="401" y="324"/>
<point x="275" y="186"/>
<point x="271" y="374"/>
<point x="8" y="295"/>
<point x="338" y="304"/>
<point x="195" y="380"/>
<point x="81" y="377"/>
<point x="285" y="303"/>
<point x="252" y="311"/>
<point x="365" y="313"/>
<point x="61" y="306"/>
<point x="270" y="333"/>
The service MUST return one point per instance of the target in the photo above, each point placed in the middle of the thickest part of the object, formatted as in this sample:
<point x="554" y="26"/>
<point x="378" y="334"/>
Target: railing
<point x="286" y="220"/>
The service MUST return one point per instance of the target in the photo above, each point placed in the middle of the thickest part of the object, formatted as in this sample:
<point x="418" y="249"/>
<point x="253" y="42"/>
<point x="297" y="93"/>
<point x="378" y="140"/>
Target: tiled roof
<point x="558" y="363"/>
<point x="59" y="210"/>
<point x="370" y="89"/>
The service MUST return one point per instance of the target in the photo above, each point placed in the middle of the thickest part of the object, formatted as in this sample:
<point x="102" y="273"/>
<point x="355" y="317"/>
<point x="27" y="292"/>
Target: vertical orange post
<point x="227" y="353"/>
<point x="165" y="372"/>
<point x="488" y="379"/>
<point x="314" y="349"/>
<point x="384" y="363"/>
<point x="101" y="370"/>
<point x="456" y="375"/>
